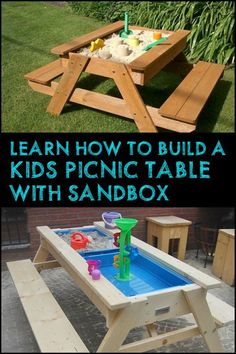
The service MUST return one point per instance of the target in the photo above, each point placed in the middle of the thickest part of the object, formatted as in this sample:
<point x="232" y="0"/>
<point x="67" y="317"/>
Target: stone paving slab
<point x="17" y="336"/>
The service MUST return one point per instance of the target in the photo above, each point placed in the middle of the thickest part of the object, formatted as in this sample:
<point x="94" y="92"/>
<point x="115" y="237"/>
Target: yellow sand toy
<point x="99" y="43"/>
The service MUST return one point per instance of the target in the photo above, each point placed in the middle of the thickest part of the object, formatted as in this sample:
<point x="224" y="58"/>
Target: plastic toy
<point x="126" y="32"/>
<point x="99" y="43"/>
<point x="123" y="50"/>
<point x="155" y="43"/>
<point x="108" y="218"/>
<point x="133" y="42"/>
<point x="93" y="265"/>
<point x="157" y="35"/>
<point x="96" y="274"/>
<point x="116" y="240"/>
<point x="78" y="240"/>
<point x="122" y="261"/>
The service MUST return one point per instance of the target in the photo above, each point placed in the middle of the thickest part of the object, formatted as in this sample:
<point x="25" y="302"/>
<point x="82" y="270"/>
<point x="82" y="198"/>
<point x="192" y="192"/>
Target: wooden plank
<point x="46" y="265"/>
<point x="41" y="255"/>
<point x="46" y="73"/>
<point x="168" y="220"/>
<point x="70" y="259"/>
<point x="196" y="299"/>
<point x="51" y="328"/>
<point x="188" y="271"/>
<point x="133" y="99"/>
<point x="196" y="101"/>
<point x="144" y="345"/>
<point x="98" y="66"/>
<point x="229" y="265"/>
<point x="67" y="83"/>
<point x="87" y="38"/>
<point x="222" y="312"/>
<point x="155" y="57"/>
<point x="175" y="102"/>
<point x="115" y="106"/>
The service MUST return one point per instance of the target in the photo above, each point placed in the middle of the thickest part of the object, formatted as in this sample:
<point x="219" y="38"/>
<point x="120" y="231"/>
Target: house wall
<point x="72" y="217"/>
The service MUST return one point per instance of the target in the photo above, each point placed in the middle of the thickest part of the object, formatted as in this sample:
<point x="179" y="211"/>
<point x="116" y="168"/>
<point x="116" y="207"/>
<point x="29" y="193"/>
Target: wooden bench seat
<point x="222" y="312"/>
<point x="52" y="330"/>
<point x="187" y="101"/>
<point x="45" y="74"/>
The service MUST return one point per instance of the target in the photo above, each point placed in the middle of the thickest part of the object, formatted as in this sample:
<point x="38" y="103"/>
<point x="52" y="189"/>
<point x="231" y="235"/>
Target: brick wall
<point x="71" y="217"/>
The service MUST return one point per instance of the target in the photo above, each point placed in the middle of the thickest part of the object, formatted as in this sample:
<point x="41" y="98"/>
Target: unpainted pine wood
<point x="197" y="100"/>
<point x="151" y="59"/>
<point x="175" y="102"/>
<point x="196" y="299"/>
<point x="154" y="342"/>
<point x="132" y="98"/>
<point x="87" y="38"/>
<point x="163" y="235"/>
<point x="67" y="83"/>
<point x="188" y="271"/>
<point x="169" y="220"/>
<point x="46" y="265"/>
<point x="41" y="255"/>
<point x="220" y="257"/>
<point x="72" y="262"/>
<point x="52" y="330"/>
<point x="46" y="73"/>
<point x="117" y="333"/>
<point x="183" y="238"/>
<point x="228" y="273"/>
<point x="222" y="312"/>
<point x="114" y="105"/>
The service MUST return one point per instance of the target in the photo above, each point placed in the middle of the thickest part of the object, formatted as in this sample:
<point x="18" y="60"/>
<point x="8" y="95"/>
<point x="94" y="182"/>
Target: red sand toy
<point x="78" y="240"/>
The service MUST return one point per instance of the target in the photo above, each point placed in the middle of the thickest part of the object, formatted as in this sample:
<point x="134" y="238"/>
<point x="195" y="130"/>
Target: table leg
<point x="41" y="255"/>
<point x="164" y="239"/>
<point x="182" y="243"/>
<point x="67" y="83"/>
<point x="134" y="101"/>
<point x="117" y="333"/>
<point x="196" y="299"/>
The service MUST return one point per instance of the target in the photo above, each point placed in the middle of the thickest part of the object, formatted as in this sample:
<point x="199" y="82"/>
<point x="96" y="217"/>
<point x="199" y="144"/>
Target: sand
<point x="114" y="46"/>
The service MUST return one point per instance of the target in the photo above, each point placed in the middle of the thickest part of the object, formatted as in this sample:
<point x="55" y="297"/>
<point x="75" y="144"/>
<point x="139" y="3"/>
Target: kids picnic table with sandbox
<point x="130" y="282"/>
<point x="178" y="113"/>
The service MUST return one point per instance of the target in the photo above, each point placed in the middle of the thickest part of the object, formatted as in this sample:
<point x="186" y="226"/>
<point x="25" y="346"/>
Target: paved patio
<point x="87" y="320"/>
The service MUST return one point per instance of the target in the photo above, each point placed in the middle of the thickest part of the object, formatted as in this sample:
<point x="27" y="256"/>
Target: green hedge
<point x="211" y="23"/>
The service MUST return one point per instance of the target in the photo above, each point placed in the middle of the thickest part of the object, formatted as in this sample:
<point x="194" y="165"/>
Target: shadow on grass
<point x="25" y="45"/>
<point x="155" y="94"/>
<point x="211" y="111"/>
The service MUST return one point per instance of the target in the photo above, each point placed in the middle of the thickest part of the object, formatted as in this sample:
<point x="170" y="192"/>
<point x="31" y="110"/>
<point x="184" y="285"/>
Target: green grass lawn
<point x="30" y="30"/>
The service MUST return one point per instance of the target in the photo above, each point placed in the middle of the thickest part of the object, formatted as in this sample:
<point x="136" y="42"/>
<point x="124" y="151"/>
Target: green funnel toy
<point x="123" y="262"/>
<point x="126" y="32"/>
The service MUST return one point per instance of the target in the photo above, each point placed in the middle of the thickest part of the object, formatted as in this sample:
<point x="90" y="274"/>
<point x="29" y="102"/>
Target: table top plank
<point x="188" y="271"/>
<point x="168" y="220"/>
<point x="152" y="56"/>
<point x="107" y="292"/>
<point x="228" y="232"/>
<point x="81" y="41"/>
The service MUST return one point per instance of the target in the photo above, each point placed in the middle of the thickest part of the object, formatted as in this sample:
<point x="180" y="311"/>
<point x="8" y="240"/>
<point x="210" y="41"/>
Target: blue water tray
<point x="148" y="275"/>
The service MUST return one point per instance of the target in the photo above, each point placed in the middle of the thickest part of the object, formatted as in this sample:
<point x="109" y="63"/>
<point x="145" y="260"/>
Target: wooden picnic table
<point x="178" y="113"/>
<point x="54" y="332"/>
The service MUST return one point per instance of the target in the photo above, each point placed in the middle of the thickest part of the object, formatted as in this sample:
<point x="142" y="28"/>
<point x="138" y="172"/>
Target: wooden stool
<point x="223" y="264"/>
<point x="166" y="228"/>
